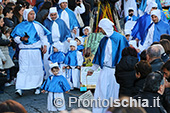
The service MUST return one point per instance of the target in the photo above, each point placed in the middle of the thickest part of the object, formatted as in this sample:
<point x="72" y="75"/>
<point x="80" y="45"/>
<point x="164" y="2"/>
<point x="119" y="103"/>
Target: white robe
<point x="130" y="4"/>
<point x="31" y="72"/>
<point x="107" y="86"/>
<point x="75" y="72"/>
<point x="149" y="38"/>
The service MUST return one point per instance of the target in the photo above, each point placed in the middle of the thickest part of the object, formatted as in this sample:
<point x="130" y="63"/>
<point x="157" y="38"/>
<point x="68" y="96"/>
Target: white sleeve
<point x="79" y="58"/>
<point x="17" y="39"/>
<point x="80" y="10"/>
<point x="40" y="32"/>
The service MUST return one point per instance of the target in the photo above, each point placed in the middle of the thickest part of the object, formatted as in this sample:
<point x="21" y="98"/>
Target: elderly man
<point x="106" y="57"/>
<point x="31" y="37"/>
<point x="155" y="30"/>
<point x="68" y="16"/>
<point x="153" y="56"/>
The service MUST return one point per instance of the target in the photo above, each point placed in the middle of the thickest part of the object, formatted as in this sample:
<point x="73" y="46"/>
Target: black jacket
<point x="138" y="85"/>
<point x="156" y="64"/>
<point x="8" y="22"/>
<point x="125" y="74"/>
<point x="150" y="96"/>
<point x="15" y="20"/>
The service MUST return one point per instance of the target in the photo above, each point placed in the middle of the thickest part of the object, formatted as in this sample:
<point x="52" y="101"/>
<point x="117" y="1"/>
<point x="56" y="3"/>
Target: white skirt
<point x="106" y="87"/>
<point x="50" y="102"/>
<point x="31" y="72"/>
<point x="75" y="78"/>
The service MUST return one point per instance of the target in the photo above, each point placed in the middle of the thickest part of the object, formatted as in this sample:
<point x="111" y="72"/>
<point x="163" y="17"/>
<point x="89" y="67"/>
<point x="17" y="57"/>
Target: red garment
<point x="32" y="2"/>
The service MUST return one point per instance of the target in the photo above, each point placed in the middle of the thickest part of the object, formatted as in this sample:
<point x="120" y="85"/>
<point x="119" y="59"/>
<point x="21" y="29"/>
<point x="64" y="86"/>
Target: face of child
<point x="55" y="71"/>
<point x="7" y="34"/>
<point x="78" y="41"/>
<point x="55" y="49"/>
<point x="127" y="37"/>
<point x="86" y="32"/>
<point x="72" y="48"/>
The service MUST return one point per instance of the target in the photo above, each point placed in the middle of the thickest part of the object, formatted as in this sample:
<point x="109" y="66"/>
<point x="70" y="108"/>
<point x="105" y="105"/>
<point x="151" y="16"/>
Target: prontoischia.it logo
<point x="59" y="102"/>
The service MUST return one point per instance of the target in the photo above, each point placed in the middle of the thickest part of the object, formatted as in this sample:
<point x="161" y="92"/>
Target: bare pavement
<point x="37" y="103"/>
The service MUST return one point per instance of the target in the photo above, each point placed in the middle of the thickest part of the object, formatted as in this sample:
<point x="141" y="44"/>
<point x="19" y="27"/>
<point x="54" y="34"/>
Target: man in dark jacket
<point x="153" y="88"/>
<point x="153" y="56"/>
<point x="8" y="17"/>
<point x="166" y="96"/>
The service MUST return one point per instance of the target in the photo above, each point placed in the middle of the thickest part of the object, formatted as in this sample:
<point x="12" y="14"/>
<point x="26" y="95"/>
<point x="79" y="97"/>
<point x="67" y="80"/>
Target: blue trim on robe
<point x="63" y="29"/>
<point x="80" y="47"/>
<point x="143" y="5"/>
<point x="28" y="27"/>
<point x="142" y="25"/>
<point x="84" y="36"/>
<point x="119" y="42"/>
<point x="72" y="18"/>
<point x="71" y="58"/>
<point x="160" y="28"/>
<point x="58" y="84"/>
<point x="134" y="18"/>
<point x="57" y="57"/>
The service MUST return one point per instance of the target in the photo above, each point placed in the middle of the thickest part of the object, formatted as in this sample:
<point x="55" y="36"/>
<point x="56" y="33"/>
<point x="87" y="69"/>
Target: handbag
<point x="80" y="21"/>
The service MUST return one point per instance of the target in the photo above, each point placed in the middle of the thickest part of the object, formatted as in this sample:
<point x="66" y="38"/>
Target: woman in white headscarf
<point x="31" y="37"/>
<point x="106" y="57"/>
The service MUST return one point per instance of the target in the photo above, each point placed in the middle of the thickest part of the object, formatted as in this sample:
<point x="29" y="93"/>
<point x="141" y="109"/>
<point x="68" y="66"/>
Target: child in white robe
<point x="56" y="85"/>
<point x="73" y="62"/>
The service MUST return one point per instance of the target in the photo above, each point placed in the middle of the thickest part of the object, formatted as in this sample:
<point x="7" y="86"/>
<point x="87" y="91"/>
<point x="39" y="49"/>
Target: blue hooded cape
<point x="119" y="42"/>
<point x="72" y="18"/>
<point x="134" y="18"/>
<point x="143" y="5"/>
<point x="58" y="84"/>
<point x="57" y="57"/>
<point x="63" y="29"/>
<point x="71" y="58"/>
<point x="142" y="25"/>
<point x="28" y="27"/>
<point x="80" y="47"/>
<point x="160" y="28"/>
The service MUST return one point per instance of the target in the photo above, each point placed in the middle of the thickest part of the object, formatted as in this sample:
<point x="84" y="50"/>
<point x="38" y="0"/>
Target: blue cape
<point x="134" y="18"/>
<point x="57" y="57"/>
<point x="28" y="27"/>
<point x="80" y="47"/>
<point x="71" y="58"/>
<point x="143" y="5"/>
<point x="119" y="42"/>
<point x="58" y="84"/>
<point x="72" y="18"/>
<point x="142" y="25"/>
<point x="63" y="29"/>
<point x="160" y="28"/>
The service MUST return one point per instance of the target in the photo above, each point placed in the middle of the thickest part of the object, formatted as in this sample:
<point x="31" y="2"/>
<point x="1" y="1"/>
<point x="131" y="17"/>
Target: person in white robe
<point x="128" y="4"/>
<point x="31" y="37"/>
<point x="69" y="17"/>
<point x="106" y="57"/>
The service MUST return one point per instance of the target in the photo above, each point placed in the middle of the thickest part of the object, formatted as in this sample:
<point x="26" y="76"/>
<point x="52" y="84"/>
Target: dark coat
<point x="8" y="22"/>
<point x="125" y="74"/>
<point x="138" y="85"/>
<point x="150" y="96"/>
<point x="156" y="64"/>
